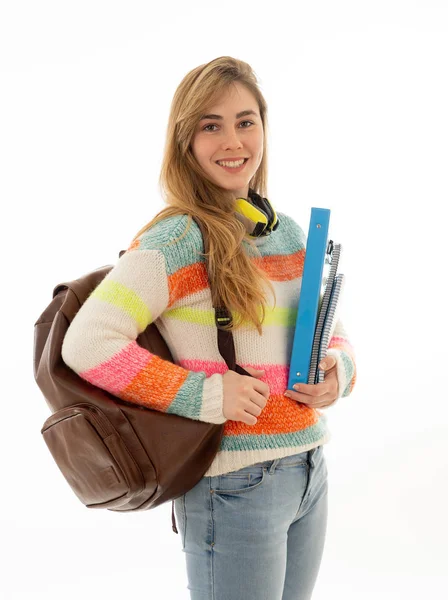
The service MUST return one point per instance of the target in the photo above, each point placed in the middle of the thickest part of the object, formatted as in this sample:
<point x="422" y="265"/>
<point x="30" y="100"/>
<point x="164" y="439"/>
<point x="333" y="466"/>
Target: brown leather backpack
<point x="115" y="454"/>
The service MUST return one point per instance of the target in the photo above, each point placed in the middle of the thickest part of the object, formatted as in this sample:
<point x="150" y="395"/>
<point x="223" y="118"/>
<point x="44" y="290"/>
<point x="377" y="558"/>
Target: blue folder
<point x="318" y="302"/>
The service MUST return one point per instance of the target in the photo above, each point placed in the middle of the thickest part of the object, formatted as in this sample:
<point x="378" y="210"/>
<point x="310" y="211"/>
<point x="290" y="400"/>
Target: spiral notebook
<point x="331" y="290"/>
<point x="317" y="312"/>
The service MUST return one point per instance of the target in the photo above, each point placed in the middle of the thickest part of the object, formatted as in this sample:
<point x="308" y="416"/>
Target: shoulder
<point x="177" y="240"/>
<point x="291" y="227"/>
<point x="163" y="232"/>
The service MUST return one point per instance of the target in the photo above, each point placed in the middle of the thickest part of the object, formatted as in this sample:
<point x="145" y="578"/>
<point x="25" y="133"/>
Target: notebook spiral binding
<point x="327" y="313"/>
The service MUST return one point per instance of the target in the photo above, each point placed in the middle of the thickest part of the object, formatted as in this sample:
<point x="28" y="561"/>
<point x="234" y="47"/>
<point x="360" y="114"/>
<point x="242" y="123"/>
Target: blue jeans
<point x="257" y="533"/>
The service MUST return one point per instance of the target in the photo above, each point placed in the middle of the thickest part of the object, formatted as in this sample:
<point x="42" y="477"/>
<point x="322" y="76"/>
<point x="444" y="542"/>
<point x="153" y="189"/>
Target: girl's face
<point x="225" y="134"/>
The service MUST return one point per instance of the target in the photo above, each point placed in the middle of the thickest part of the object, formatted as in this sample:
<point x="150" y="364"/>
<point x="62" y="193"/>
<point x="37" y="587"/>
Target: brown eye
<point x="214" y="125"/>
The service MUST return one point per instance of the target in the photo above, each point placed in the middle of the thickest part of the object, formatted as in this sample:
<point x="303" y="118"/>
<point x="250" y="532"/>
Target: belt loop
<point x="311" y="454"/>
<point x="274" y="464"/>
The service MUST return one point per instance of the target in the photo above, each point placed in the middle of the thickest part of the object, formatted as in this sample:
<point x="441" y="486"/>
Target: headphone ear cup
<point x="253" y="218"/>
<point x="272" y="215"/>
<point x="262" y="204"/>
<point x="257" y="214"/>
<point x="266" y="207"/>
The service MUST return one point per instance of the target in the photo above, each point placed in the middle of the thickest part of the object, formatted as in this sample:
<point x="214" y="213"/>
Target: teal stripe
<point x="181" y="254"/>
<point x="188" y="400"/>
<point x="289" y="238"/>
<point x="349" y="371"/>
<point x="280" y="440"/>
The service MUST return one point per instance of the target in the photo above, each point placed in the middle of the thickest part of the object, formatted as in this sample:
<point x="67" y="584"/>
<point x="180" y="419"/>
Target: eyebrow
<point x="243" y="113"/>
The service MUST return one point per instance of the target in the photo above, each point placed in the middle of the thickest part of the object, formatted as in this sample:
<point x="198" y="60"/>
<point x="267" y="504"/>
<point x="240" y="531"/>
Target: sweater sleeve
<point x="100" y="342"/>
<point x="341" y="348"/>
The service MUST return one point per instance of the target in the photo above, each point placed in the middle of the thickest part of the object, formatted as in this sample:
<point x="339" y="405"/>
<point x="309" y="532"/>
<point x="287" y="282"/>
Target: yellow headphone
<point x="258" y="216"/>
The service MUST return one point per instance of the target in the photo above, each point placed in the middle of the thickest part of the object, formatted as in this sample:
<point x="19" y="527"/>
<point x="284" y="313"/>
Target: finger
<point x="299" y="397"/>
<point x="316" y="389"/>
<point x="327" y="363"/>
<point x="326" y="404"/>
<point x="312" y="402"/>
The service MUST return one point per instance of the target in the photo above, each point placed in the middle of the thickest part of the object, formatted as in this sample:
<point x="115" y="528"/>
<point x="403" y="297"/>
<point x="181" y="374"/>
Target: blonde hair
<point x="232" y="273"/>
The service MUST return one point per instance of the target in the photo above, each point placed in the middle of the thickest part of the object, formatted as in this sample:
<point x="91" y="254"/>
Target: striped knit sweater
<point x="169" y="284"/>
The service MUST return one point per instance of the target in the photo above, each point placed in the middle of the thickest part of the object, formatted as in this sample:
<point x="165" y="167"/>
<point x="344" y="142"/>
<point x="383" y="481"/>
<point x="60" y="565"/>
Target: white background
<point x="357" y="95"/>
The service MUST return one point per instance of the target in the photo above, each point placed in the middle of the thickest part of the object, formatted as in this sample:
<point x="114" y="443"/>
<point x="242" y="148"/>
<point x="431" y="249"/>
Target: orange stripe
<point x="156" y="385"/>
<point x="187" y="281"/>
<point x="282" y="268"/>
<point x="193" y="278"/>
<point x="280" y="415"/>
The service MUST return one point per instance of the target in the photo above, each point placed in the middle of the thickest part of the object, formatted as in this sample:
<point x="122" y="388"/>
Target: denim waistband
<point x="308" y="456"/>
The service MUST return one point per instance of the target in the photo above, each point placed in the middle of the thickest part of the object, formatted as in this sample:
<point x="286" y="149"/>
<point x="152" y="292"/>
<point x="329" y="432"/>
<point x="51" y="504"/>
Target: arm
<point x="100" y="343"/>
<point x="340" y="347"/>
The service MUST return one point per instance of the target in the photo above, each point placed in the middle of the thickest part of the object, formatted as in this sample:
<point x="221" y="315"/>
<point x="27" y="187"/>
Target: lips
<point x="246" y="158"/>
<point x="229" y="160"/>
<point x="234" y="169"/>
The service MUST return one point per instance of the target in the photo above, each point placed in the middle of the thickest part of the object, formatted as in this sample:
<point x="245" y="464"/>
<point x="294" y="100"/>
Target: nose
<point x="232" y="141"/>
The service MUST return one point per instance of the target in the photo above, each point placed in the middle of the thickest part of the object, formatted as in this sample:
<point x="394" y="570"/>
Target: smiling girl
<point x="254" y="526"/>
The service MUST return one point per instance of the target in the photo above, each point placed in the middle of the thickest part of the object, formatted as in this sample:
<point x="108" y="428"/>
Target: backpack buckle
<point x="222" y="317"/>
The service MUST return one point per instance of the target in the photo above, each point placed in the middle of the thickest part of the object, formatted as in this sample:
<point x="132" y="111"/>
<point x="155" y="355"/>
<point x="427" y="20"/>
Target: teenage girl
<point x="254" y="526"/>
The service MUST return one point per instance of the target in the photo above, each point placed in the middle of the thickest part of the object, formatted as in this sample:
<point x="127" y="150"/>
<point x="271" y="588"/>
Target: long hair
<point x="188" y="190"/>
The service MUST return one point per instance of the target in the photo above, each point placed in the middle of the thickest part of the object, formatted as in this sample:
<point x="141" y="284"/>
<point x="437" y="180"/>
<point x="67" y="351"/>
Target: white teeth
<point x="231" y="164"/>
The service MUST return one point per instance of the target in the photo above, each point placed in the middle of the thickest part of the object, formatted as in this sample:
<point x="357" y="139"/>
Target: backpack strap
<point x="222" y="317"/>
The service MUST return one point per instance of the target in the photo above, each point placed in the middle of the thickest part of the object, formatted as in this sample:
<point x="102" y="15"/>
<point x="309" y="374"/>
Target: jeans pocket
<point x="239" y="482"/>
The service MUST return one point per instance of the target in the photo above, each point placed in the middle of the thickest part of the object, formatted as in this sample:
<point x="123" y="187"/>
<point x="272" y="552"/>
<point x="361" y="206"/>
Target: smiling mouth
<point x="236" y="168"/>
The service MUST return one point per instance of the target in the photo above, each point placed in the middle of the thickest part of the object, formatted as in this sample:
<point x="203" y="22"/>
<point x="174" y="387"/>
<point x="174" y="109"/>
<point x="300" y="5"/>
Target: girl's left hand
<point x="319" y="395"/>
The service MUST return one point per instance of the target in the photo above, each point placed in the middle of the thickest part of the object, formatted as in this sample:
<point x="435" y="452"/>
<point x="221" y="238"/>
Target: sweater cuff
<point x="212" y="399"/>
<point x="345" y="371"/>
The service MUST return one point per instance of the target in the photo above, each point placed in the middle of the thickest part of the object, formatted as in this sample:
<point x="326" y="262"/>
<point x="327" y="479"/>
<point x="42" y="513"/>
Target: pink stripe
<point x="277" y="375"/>
<point x="115" y="374"/>
<point x="340" y="343"/>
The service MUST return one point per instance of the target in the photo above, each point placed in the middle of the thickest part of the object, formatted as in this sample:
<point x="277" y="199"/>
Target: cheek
<point x="203" y="150"/>
<point x="195" y="148"/>
<point x="259" y="154"/>
<point x="258" y="146"/>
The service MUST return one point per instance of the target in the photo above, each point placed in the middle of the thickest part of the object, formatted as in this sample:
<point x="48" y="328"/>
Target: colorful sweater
<point x="169" y="284"/>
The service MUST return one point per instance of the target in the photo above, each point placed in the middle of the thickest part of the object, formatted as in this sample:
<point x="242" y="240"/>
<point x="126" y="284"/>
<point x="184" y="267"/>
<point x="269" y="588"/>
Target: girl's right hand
<point x="244" y="396"/>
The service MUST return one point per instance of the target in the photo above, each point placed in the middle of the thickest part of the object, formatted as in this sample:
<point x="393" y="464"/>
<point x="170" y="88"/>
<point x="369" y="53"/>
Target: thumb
<point x="252" y="369"/>
<point x="327" y="363"/>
